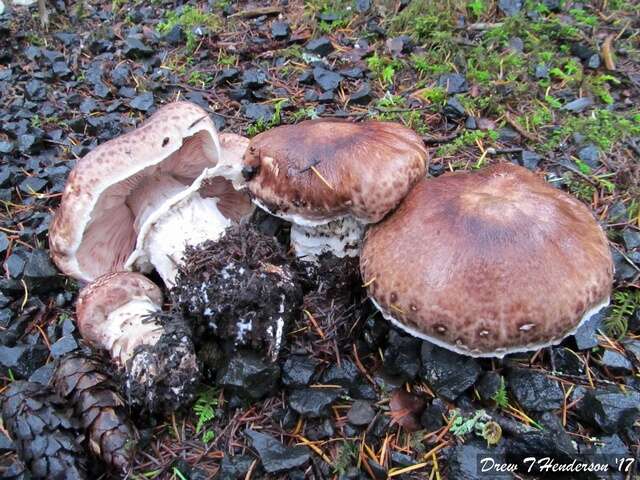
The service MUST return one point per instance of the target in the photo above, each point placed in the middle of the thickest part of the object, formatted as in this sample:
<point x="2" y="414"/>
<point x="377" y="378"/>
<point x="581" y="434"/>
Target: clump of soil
<point x="241" y="289"/>
<point x="164" y="376"/>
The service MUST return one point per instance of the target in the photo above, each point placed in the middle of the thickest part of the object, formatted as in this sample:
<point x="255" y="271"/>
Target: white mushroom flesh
<point x="341" y="237"/>
<point x="174" y="216"/>
<point x="128" y="327"/>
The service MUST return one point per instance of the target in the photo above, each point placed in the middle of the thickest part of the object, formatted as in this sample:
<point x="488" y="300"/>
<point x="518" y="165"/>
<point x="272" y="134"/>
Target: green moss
<point x="189" y="17"/>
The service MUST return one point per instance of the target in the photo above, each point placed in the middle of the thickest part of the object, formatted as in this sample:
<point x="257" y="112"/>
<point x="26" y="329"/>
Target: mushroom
<point x="118" y="313"/>
<point x="488" y="263"/>
<point x="330" y="178"/>
<point x="139" y="199"/>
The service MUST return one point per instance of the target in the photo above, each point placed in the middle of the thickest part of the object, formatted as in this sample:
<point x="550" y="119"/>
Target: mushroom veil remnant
<point x="488" y="263"/>
<point x="330" y="178"/>
<point x="139" y="199"/>
<point x="116" y="314"/>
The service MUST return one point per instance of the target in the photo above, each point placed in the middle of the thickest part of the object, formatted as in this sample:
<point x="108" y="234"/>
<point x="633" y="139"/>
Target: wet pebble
<point x="585" y="336"/>
<point x="258" y="111"/>
<point x="280" y="30"/>
<point x="254" y="78"/>
<point x="249" y="376"/>
<point x="590" y="155"/>
<point x="402" y="356"/>
<point x="313" y="402"/>
<point x="22" y="359"/>
<point x="609" y="411"/>
<point x="453" y="83"/>
<point x="63" y="346"/>
<point x="579" y="105"/>
<point x="326" y="79"/>
<point x="275" y="456"/>
<point x="320" y="46"/>
<point x="615" y="362"/>
<point x="362" y="96"/>
<point x="533" y="390"/>
<point x="361" y="413"/>
<point x="142" y="102"/>
<point x="446" y="372"/>
<point x="298" y="370"/>
<point x="135" y="48"/>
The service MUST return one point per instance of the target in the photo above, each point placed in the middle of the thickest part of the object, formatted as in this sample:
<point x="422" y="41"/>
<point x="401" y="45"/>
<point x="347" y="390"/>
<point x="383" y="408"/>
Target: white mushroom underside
<point x="341" y="237"/>
<point x="496" y="354"/>
<point x="128" y="326"/>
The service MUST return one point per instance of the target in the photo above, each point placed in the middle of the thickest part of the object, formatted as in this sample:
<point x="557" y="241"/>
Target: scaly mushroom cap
<point x="108" y="293"/>
<point x="320" y="170"/>
<point x="488" y="263"/>
<point x="93" y="230"/>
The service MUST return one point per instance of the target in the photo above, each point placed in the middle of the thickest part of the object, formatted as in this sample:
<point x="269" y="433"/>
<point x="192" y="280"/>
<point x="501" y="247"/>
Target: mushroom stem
<point x="174" y="216"/>
<point x="341" y="237"/>
<point x="127" y="327"/>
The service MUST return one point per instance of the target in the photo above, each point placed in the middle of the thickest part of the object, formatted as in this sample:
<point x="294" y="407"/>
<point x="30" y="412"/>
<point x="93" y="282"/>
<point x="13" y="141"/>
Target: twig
<point x="257" y="12"/>
<point x="607" y="53"/>
<point x="511" y="121"/>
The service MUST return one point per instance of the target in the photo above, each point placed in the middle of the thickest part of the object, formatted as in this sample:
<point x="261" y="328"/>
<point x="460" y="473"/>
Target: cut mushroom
<point x="118" y="313"/>
<point x="139" y="199"/>
<point x="330" y="178"/>
<point x="488" y="263"/>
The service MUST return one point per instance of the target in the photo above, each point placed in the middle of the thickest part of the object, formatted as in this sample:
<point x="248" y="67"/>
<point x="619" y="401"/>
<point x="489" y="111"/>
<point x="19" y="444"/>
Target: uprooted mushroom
<point x="488" y="263"/>
<point x="330" y="178"/>
<point x="136" y="201"/>
<point x="120" y="313"/>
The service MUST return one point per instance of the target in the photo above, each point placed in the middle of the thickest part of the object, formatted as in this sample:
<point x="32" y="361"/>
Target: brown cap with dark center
<point x="488" y="263"/>
<point x="319" y="170"/>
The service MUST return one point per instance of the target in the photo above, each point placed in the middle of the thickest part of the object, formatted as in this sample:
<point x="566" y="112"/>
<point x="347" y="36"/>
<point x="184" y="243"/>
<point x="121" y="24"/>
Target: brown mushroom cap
<point x="488" y="263"/>
<point x="93" y="230"/>
<point x="320" y="170"/>
<point x="108" y="293"/>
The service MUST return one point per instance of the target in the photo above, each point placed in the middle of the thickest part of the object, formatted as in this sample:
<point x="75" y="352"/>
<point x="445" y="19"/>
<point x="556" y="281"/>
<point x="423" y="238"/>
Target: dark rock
<point x="362" y="96"/>
<point x="327" y="97"/>
<point x="254" y="78"/>
<point x="280" y="30"/>
<point x="35" y="89"/>
<point x="61" y="69"/>
<point x="6" y="147"/>
<point x="31" y="185"/>
<point x="228" y="75"/>
<point x="507" y="134"/>
<point x="631" y="238"/>
<point x="433" y="417"/>
<point x="23" y="359"/>
<point x="613" y="451"/>
<point x="174" y="36"/>
<point x="616" y="362"/>
<point x="346" y="375"/>
<point x="623" y="269"/>
<point x="542" y="71"/>
<point x="7" y="445"/>
<point x="249" y="376"/>
<point x="533" y="390"/>
<point x="453" y="83"/>
<point x="326" y="79"/>
<point x="6" y="314"/>
<point x="578" y="105"/>
<point x="319" y="429"/>
<point x="361" y="413"/>
<point x="313" y="402"/>
<point x="234" y="468"/>
<point x="121" y="75"/>
<point x="298" y="370"/>
<point x="363" y="6"/>
<point x="446" y="372"/>
<point x="63" y="346"/>
<point x="585" y="336"/>
<point x="306" y="77"/>
<point x="136" y="48"/>
<point x="529" y="159"/>
<point x="39" y="266"/>
<point x="310" y="96"/>
<point x="402" y="356"/>
<point x="454" y="110"/>
<point x="354" y="72"/>
<point x="594" y="61"/>
<point x="462" y="462"/>
<point x="275" y="456"/>
<point x="488" y="385"/>
<point x="43" y="374"/>
<point x="590" y="155"/>
<point x="510" y="7"/>
<point x="238" y="94"/>
<point x="258" y="111"/>
<point x="29" y="143"/>
<point x="583" y="52"/>
<point x="611" y="412"/>
<point x="516" y="44"/>
<point x="15" y="265"/>
<point x="550" y="441"/>
<point x="142" y="102"/>
<point x="567" y="361"/>
<point x="320" y="46"/>
<point x="88" y="105"/>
